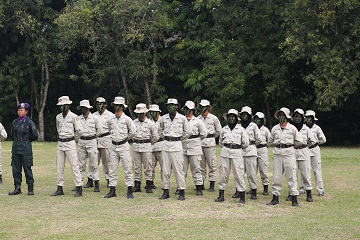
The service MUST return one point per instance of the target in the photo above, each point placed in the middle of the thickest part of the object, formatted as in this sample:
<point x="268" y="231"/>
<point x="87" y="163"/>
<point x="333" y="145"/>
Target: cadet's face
<point x="308" y="120"/>
<point x="297" y="118"/>
<point x="282" y="117"/>
<point x="22" y="112"/>
<point x="244" y="116"/>
<point x="202" y="108"/>
<point x="171" y="108"/>
<point x="231" y="118"/>
<point x="187" y="111"/>
<point x="64" y="108"/>
<point x="100" y="106"/>
<point x="84" y="110"/>
<point x="140" y="116"/>
<point x="257" y="120"/>
<point x="118" y="107"/>
<point x="153" y="114"/>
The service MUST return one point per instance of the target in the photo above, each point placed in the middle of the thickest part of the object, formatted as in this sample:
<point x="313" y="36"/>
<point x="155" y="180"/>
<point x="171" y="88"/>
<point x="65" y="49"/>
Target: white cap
<point x="64" y="100"/>
<point x="299" y="110"/>
<point x="154" y="108"/>
<point x="100" y="99"/>
<point x="284" y="110"/>
<point x="84" y="103"/>
<point x="141" y="108"/>
<point x="204" y="103"/>
<point x="119" y="101"/>
<point x="190" y="105"/>
<point x="246" y="109"/>
<point x="260" y="115"/>
<point x="310" y="113"/>
<point x="172" y="101"/>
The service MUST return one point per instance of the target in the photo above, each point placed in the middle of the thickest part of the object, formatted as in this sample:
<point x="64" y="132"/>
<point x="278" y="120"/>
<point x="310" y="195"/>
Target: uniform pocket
<point x="28" y="160"/>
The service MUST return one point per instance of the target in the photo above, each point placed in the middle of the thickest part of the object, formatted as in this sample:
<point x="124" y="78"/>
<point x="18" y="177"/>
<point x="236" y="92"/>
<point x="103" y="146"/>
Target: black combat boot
<point x="177" y="192"/>
<point x="294" y="201"/>
<point x="274" y="201"/>
<point x="96" y="186"/>
<point x="165" y="195"/>
<point x="266" y="190"/>
<point x="199" y="190"/>
<point x="112" y="193"/>
<point x="129" y="192"/>
<point x="253" y="194"/>
<point x="236" y="194"/>
<point x="0" y="179"/>
<point x="242" y="198"/>
<point x="78" y="191"/>
<point x="153" y="185"/>
<point x="308" y="196"/>
<point x="89" y="183"/>
<point x="137" y="187"/>
<point x="221" y="197"/>
<point x="288" y="198"/>
<point x="148" y="186"/>
<point x="74" y="189"/>
<point x="107" y="183"/>
<point x="212" y="186"/>
<point x="59" y="191"/>
<point x="249" y="192"/>
<point x="30" y="189"/>
<point x="182" y="195"/>
<point x="16" y="191"/>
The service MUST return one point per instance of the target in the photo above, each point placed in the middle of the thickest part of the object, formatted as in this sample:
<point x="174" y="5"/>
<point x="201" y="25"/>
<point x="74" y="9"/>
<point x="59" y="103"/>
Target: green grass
<point x="335" y="216"/>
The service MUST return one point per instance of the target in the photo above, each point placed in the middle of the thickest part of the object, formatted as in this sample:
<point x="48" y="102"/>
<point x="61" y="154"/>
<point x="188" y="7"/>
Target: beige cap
<point x="310" y="113"/>
<point x="189" y="105"/>
<point x="154" y="108"/>
<point x="204" y="103"/>
<point x="172" y="101"/>
<point x="260" y="115"/>
<point x="119" y="101"/>
<point x="246" y="109"/>
<point x="64" y="100"/>
<point x="84" y="103"/>
<point x="141" y="108"/>
<point x="231" y="111"/>
<point x="100" y="99"/>
<point x="299" y="110"/>
<point x="284" y="110"/>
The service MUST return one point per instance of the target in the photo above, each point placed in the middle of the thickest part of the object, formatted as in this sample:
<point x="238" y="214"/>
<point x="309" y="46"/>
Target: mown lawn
<point x="335" y="216"/>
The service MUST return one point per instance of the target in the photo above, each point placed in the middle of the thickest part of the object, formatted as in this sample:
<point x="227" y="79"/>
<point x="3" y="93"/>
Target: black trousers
<point x="18" y="162"/>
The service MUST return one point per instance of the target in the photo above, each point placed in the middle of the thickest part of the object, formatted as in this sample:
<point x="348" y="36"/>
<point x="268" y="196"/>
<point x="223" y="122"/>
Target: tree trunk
<point x="127" y="93"/>
<point x="147" y="92"/>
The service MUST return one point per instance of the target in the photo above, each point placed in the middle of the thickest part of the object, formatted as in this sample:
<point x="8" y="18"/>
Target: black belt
<point x="88" y="137"/>
<point x="104" y="134"/>
<point x="210" y="136"/>
<point x="66" y="139"/>
<point x="21" y="139"/>
<point x="283" y="145"/>
<point x="194" y="136"/>
<point x="252" y="143"/>
<point x="313" y="146"/>
<point x="261" y="146"/>
<point x="142" y="141"/>
<point x="300" y="147"/>
<point x="172" y="139"/>
<point x="119" y="143"/>
<point x="160" y="140"/>
<point x="232" y="146"/>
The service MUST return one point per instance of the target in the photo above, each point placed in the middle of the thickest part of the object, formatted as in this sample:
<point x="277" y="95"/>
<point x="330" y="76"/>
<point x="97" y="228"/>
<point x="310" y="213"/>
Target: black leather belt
<point x="232" y="146"/>
<point x="313" y="146"/>
<point x="252" y="143"/>
<point x="160" y="140"/>
<point x="261" y="146"/>
<point x="104" y="134"/>
<point x="172" y="139"/>
<point x="194" y="136"/>
<point x="66" y="139"/>
<point x="210" y="136"/>
<point x="21" y="139"/>
<point x="119" y="143"/>
<point x="300" y="147"/>
<point x="142" y="141"/>
<point x="283" y="145"/>
<point x="88" y="137"/>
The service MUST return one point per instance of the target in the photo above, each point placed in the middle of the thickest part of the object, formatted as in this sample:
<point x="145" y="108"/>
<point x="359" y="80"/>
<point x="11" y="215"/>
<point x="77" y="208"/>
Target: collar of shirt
<point x="22" y="119"/>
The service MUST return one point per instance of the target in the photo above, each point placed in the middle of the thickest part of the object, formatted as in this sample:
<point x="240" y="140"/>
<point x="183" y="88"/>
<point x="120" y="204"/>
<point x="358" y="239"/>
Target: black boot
<point x="129" y="192"/>
<point x="212" y="186"/>
<point x="16" y="191"/>
<point x="59" y="191"/>
<point x="294" y="201"/>
<point x="236" y="194"/>
<point x="78" y="191"/>
<point x="74" y="189"/>
<point x="148" y="186"/>
<point x="112" y="193"/>
<point x="177" y="192"/>
<point x="165" y="195"/>
<point x="182" y="195"/>
<point x="266" y="190"/>
<point x="30" y="189"/>
<point x="221" y="197"/>
<point x="96" y="186"/>
<point x="137" y="187"/>
<point x="308" y="196"/>
<point x="288" y="198"/>
<point x="249" y="192"/>
<point x="274" y="201"/>
<point x="89" y="184"/>
<point x="253" y="194"/>
<point x="199" y="190"/>
<point x="153" y="185"/>
<point x="0" y="179"/>
<point x="242" y="198"/>
<point x="107" y="184"/>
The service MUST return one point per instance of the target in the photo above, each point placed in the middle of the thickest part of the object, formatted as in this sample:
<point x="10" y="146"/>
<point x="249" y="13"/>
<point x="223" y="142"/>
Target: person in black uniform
<point x="23" y="132"/>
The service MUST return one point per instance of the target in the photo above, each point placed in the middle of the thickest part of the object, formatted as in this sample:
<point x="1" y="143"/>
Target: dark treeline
<point x="265" y="54"/>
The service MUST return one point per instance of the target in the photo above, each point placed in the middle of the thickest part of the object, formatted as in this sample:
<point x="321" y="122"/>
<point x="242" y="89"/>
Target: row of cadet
<point x="176" y="141"/>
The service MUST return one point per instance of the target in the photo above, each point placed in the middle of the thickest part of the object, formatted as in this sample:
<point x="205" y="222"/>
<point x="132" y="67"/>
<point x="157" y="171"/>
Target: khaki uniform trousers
<point x="284" y="164"/>
<point x="90" y="152"/>
<point x="156" y="158"/>
<point x="115" y="158"/>
<point x="194" y="161"/>
<point x="305" y="172"/>
<point x="209" y="159"/>
<point x="315" y="162"/>
<point x="1" y="169"/>
<point x="142" y="159"/>
<point x="262" y="165"/>
<point x="72" y="157"/>
<point x="175" y="161"/>
<point x="237" y="167"/>
<point x="104" y="154"/>
<point x="250" y="169"/>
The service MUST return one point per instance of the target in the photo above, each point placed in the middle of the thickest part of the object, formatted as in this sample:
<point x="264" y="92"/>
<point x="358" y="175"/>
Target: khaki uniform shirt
<point x="289" y="136"/>
<point x="3" y="133"/>
<point x="193" y="146"/>
<point x="178" y="127"/>
<point x="265" y="135"/>
<point x="213" y="126"/>
<point x="104" y="142"/>
<point x="68" y="127"/>
<point x="320" y="139"/>
<point x="145" y="130"/>
<point x="236" y="136"/>
<point x="120" y="129"/>
<point x="158" y="146"/>
<point x="255" y="137"/>
<point x="309" y="137"/>
<point x="91" y="127"/>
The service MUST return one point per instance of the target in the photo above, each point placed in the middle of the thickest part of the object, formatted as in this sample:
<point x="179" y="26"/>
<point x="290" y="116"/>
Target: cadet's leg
<point x="113" y="168"/>
<point x="290" y="174"/>
<point x="82" y="161"/>
<point x="27" y="164"/>
<point x="126" y="161"/>
<point x="74" y="165"/>
<point x="277" y="175"/>
<point x="316" y="166"/>
<point x="195" y="169"/>
<point x="186" y="165"/>
<point x="177" y="161"/>
<point x="16" y="164"/>
<point x="166" y="170"/>
<point x="137" y="166"/>
<point x="60" y="165"/>
<point x="211" y="161"/>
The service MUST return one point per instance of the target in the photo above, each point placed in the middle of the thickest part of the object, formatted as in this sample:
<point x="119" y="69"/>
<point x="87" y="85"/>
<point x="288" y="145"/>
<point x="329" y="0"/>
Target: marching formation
<point x="175" y="142"/>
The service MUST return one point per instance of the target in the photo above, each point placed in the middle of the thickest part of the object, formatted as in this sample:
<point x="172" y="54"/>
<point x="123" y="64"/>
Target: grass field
<point x="335" y="216"/>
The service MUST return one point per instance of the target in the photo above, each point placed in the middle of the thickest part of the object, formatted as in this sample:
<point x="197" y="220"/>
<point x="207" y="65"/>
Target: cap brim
<point x="66" y="103"/>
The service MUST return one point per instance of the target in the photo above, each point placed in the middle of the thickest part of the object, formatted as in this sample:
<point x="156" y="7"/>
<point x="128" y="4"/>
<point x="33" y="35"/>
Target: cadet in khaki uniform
<point x="146" y="134"/>
<point x="87" y="145"/>
<point x="3" y="136"/>
<point x="69" y="127"/>
<point x="154" y="112"/>
<point x="262" y="151"/>
<point x="284" y="136"/>
<point x="174" y="128"/>
<point x="233" y="138"/>
<point x="192" y="146"/>
<point x="208" y="144"/>
<point x="302" y="152"/>
<point x="315" y="155"/>
<point x="122" y="129"/>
